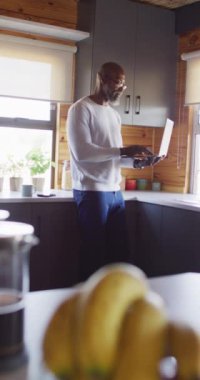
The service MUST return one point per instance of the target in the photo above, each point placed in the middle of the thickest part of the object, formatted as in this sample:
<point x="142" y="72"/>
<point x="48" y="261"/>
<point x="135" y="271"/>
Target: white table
<point x="180" y="292"/>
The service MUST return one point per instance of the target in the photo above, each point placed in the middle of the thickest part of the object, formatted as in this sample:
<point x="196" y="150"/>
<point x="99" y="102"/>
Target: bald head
<point x="110" y="69"/>
<point x="110" y="84"/>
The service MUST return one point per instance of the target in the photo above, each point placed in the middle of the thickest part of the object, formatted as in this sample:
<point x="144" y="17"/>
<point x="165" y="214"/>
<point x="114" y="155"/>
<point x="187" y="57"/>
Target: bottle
<point x="66" y="183"/>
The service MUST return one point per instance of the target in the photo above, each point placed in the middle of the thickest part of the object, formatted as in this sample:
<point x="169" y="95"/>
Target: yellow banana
<point x="142" y="341"/>
<point x="184" y="345"/>
<point x="58" y="341"/>
<point x="104" y="300"/>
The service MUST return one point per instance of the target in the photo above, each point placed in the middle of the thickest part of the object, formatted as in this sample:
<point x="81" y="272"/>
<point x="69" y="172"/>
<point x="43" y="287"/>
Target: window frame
<point x="24" y="123"/>
<point x="195" y="132"/>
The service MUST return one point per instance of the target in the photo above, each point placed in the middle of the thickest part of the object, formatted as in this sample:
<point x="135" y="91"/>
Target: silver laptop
<point x="138" y="161"/>
<point x="164" y="146"/>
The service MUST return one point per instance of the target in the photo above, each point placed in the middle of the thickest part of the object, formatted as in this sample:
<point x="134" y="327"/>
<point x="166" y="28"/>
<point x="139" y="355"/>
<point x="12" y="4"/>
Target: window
<point x="192" y="97"/>
<point x="34" y="77"/>
<point x="26" y="126"/>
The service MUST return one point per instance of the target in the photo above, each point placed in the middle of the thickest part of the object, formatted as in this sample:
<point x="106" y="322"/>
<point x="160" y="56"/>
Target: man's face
<point x="113" y="86"/>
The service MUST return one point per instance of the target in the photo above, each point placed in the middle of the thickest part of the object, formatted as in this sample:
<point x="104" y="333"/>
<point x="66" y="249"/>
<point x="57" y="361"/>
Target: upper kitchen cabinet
<point x="154" y="66"/>
<point x="141" y="38"/>
<point x="114" y="40"/>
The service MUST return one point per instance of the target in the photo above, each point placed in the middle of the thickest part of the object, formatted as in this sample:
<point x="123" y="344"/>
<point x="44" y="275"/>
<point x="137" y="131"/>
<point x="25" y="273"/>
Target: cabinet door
<point x="141" y="38"/>
<point x="148" y="236"/>
<point x="180" y="241"/>
<point x="114" y="40"/>
<point x="19" y="212"/>
<point x="131" y="216"/>
<point x="54" y="262"/>
<point x="155" y="66"/>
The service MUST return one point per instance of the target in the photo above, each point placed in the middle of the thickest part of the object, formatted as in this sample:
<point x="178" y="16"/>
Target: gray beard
<point x="114" y="103"/>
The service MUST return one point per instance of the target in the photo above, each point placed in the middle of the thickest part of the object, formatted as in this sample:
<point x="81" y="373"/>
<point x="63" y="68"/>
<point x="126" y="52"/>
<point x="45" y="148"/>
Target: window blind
<point x="192" y="89"/>
<point x="33" y="69"/>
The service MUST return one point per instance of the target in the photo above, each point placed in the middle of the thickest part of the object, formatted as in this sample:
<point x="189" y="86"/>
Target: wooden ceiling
<point x="170" y="4"/>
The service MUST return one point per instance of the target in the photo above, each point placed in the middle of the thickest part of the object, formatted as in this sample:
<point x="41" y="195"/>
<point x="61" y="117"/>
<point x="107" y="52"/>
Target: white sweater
<point x="94" y="137"/>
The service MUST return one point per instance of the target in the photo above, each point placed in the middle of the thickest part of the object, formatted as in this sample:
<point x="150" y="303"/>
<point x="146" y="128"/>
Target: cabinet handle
<point x="127" y="104"/>
<point x="137" y="104"/>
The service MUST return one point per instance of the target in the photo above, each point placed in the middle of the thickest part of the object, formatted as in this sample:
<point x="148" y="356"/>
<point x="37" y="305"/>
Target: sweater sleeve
<point x="79" y="138"/>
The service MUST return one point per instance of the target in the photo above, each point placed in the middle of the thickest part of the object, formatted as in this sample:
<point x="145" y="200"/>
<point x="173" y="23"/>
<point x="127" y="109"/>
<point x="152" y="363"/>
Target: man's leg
<point x="117" y="232"/>
<point x="92" y="214"/>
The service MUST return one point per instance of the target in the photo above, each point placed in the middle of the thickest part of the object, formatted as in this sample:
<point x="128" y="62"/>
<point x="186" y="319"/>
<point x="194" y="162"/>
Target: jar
<point x="66" y="183"/>
<point x="16" y="239"/>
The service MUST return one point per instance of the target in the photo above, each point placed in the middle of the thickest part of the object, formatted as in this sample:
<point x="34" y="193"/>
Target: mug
<point x="130" y="184"/>
<point x="27" y="190"/>
<point x="142" y="184"/>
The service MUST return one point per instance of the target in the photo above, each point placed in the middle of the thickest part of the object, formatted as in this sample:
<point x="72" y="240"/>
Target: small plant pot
<point x="38" y="183"/>
<point x="16" y="183"/>
<point x="1" y="183"/>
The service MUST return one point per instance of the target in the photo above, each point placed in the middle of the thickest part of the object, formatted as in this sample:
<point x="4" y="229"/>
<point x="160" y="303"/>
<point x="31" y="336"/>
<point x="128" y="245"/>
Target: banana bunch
<point x="113" y="327"/>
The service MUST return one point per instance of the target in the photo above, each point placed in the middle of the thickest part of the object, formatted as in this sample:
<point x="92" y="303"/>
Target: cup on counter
<point x="142" y="183"/>
<point x="130" y="184"/>
<point x="27" y="190"/>
<point x="156" y="186"/>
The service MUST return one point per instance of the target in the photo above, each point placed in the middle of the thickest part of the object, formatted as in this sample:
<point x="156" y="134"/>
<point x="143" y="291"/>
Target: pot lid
<point x="4" y="214"/>
<point x="15" y="230"/>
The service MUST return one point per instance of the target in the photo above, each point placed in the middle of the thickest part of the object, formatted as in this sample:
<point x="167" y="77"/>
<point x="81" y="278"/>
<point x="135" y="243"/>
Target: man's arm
<point x="135" y="150"/>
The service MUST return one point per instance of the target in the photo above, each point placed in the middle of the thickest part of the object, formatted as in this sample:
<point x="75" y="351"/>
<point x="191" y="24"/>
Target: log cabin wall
<point x="173" y="172"/>
<point x="55" y="12"/>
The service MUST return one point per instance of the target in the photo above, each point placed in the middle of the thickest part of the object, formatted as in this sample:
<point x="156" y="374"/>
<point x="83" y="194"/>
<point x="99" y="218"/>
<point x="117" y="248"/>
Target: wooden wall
<point x="54" y="12"/>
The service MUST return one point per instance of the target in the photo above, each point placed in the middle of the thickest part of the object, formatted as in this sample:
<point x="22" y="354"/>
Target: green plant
<point x="2" y="169"/>
<point x="14" y="166"/>
<point x="38" y="161"/>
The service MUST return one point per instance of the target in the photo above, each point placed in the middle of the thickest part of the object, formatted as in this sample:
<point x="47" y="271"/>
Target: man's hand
<point x="135" y="150"/>
<point x="141" y="163"/>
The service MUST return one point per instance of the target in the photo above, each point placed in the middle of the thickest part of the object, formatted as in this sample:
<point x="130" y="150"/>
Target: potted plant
<point x="15" y="169"/>
<point x="38" y="163"/>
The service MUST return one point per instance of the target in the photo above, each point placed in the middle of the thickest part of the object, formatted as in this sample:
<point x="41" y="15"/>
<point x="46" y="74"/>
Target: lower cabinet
<point x="180" y="240"/>
<point x="163" y="240"/>
<point x="19" y="212"/>
<point x="167" y="240"/>
<point x="131" y="212"/>
<point x="148" y="238"/>
<point x="54" y="261"/>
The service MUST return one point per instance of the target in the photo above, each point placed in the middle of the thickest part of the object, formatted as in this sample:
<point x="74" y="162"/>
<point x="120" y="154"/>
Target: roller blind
<point x="33" y="69"/>
<point x="192" y="90"/>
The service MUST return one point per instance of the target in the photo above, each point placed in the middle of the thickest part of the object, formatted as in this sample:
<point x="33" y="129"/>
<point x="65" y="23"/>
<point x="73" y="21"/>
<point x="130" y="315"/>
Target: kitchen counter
<point x="179" y="200"/>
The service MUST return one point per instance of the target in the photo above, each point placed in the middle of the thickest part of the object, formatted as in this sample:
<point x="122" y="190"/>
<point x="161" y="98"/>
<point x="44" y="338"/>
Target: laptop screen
<point x="164" y="146"/>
